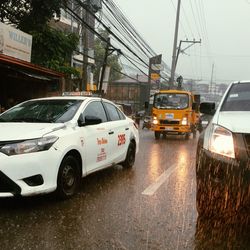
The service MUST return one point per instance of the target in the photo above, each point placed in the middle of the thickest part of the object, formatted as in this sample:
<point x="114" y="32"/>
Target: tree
<point x="29" y="15"/>
<point x="51" y="48"/>
<point x="113" y="60"/>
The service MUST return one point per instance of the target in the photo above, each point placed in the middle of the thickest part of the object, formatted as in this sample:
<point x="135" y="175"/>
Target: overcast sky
<point x="222" y="25"/>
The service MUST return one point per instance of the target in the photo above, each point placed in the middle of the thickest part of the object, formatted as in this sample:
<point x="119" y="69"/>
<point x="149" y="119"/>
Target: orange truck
<point x="175" y="112"/>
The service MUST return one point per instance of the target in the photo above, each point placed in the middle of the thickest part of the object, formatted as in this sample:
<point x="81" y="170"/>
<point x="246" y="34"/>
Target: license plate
<point x="204" y="122"/>
<point x="169" y="129"/>
<point x="169" y="116"/>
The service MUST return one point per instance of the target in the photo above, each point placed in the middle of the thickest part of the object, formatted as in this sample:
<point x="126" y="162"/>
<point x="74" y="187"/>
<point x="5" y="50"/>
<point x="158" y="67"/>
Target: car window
<point x="95" y="109"/>
<point x="238" y="98"/>
<point x="112" y="112"/>
<point x="47" y="111"/>
<point x="121" y="115"/>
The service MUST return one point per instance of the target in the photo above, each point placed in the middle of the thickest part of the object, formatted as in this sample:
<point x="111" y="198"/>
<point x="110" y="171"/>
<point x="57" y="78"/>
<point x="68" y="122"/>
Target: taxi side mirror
<point x="88" y="120"/>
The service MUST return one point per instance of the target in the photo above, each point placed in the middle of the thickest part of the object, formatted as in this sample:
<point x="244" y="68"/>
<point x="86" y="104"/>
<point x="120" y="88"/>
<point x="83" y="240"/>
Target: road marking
<point x="150" y="190"/>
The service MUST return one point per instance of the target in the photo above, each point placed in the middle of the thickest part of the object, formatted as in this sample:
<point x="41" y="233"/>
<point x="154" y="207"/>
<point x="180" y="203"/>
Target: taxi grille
<point x="247" y="142"/>
<point x="169" y="122"/>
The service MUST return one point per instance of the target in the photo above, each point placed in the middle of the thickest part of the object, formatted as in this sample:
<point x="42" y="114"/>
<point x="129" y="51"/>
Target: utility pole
<point x="211" y="81"/>
<point x="104" y="66"/>
<point x="182" y="50"/>
<point x="171" y="81"/>
<point x="85" y="46"/>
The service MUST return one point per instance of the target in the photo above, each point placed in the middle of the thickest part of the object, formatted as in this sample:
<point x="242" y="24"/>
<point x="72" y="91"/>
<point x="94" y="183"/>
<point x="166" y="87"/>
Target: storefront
<point x="21" y="80"/>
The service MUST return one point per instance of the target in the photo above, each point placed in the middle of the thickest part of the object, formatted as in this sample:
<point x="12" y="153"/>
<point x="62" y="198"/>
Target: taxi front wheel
<point x="68" y="177"/>
<point x="130" y="157"/>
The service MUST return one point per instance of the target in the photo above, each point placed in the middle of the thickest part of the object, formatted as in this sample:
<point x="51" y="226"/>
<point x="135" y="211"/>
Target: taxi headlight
<point x="29" y="146"/>
<point x="221" y="142"/>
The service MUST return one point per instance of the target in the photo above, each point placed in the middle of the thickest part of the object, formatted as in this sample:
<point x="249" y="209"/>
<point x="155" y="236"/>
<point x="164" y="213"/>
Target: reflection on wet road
<point x="151" y="206"/>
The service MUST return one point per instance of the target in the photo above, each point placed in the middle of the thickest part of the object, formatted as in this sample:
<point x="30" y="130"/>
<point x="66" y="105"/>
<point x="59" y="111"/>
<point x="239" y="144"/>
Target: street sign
<point x="157" y="66"/>
<point x="154" y="76"/>
<point x="15" y="43"/>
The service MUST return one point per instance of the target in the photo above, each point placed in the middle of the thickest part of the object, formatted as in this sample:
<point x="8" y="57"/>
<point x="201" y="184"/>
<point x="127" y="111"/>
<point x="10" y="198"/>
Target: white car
<point x="223" y="155"/>
<point x="48" y="144"/>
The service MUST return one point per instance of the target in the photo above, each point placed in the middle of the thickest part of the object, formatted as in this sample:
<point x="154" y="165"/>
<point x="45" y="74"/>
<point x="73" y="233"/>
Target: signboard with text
<point x="15" y="43"/>
<point x="155" y="76"/>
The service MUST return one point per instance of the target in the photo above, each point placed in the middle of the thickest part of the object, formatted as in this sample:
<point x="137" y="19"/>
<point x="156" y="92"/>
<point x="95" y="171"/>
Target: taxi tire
<point x="130" y="157"/>
<point x="68" y="178"/>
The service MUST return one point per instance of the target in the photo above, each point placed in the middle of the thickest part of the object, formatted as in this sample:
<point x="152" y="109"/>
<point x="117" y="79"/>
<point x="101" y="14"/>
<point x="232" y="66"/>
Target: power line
<point x="111" y="32"/>
<point x="187" y="21"/>
<point x="131" y="33"/>
<point x="196" y="24"/>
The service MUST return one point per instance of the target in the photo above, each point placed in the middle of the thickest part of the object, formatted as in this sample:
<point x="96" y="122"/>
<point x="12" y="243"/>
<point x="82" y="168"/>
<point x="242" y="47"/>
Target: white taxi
<point x="48" y="144"/>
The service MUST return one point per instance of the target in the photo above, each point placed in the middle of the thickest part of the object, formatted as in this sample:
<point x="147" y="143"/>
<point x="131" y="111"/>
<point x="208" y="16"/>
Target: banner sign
<point x="154" y="74"/>
<point x="15" y="43"/>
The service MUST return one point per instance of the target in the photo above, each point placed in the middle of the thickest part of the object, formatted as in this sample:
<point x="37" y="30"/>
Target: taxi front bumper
<point x="29" y="174"/>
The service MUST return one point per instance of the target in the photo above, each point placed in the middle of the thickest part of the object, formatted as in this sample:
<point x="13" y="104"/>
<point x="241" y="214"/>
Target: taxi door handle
<point x="126" y="128"/>
<point x="111" y="132"/>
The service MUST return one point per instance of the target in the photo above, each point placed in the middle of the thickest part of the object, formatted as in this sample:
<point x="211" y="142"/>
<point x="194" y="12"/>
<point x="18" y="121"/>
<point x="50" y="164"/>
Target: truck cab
<point x="175" y="112"/>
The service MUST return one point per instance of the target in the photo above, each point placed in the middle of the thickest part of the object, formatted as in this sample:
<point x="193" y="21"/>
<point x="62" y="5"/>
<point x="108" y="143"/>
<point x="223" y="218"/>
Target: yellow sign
<point x="91" y="87"/>
<point x="155" y="76"/>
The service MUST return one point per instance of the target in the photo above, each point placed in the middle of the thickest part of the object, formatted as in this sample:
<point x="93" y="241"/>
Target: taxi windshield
<point x="238" y="98"/>
<point x="42" y="111"/>
<point x="171" y="101"/>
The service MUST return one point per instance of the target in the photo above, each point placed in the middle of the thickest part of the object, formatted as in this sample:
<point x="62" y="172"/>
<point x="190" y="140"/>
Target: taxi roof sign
<point x="77" y="93"/>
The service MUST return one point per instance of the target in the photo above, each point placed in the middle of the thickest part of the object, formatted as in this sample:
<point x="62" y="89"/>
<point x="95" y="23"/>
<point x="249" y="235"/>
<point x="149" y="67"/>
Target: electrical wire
<point x="112" y="33"/>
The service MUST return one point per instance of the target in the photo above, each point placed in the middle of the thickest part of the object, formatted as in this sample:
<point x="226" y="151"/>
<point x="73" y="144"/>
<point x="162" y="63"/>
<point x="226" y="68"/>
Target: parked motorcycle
<point x="146" y="122"/>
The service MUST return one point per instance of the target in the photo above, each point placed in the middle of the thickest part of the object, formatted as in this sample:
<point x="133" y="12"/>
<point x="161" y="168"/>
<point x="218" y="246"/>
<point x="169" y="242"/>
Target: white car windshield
<point x="45" y="111"/>
<point x="238" y="98"/>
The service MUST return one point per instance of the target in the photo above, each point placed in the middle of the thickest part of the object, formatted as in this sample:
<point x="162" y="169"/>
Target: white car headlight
<point x="29" y="146"/>
<point x="221" y="142"/>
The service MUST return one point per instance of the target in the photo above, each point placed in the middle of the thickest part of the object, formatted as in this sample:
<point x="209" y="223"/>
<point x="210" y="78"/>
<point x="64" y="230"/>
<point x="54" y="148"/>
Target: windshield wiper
<point x="28" y="119"/>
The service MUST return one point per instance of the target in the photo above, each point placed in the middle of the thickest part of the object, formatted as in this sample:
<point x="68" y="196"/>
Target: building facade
<point x="132" y="91"/>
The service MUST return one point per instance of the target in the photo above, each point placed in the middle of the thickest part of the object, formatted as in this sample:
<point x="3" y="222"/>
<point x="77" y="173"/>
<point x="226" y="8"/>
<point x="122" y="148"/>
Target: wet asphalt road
<point x="151" y="206"/>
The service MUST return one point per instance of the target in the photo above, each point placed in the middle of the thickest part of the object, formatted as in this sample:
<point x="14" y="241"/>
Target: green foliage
<point x="53" y="48"/>
<point x="50" y="47"/>
<point x="113" y="60"/>
<point x="29" y="15"/>
<point x="64" y="68"/>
